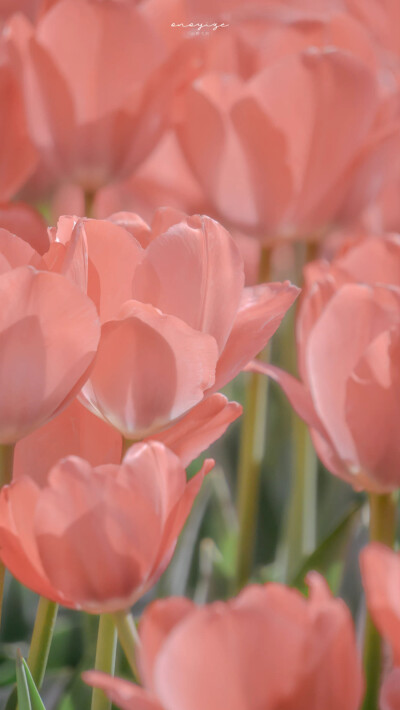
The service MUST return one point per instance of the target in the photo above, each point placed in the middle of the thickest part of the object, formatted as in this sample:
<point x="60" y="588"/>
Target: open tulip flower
<point x="277" y="650"/>
<point x="177" y="321"/>
<point x="348" y="337"/>
<point x="262" y="165"/>
<point x="97" y="538"/>
<point x="90" y="123"/>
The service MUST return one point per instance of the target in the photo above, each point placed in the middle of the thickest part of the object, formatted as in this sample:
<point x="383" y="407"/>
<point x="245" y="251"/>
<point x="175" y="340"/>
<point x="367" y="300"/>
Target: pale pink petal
<point x="124" y="694"/>
<point x="150" y="369"/>
<point x="260" y="314"/>
<point x="195" y="431"/>
<point x="74" y="432"/>
<point x="49" y="332"/>
<point x="193" y="271"/>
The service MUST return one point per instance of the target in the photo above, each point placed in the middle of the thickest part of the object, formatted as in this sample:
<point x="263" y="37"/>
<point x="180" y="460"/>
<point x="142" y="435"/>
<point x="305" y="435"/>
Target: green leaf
<point x="28" y="695"/>
<point x="24" y="700"/>
<point x="329" y="551"/>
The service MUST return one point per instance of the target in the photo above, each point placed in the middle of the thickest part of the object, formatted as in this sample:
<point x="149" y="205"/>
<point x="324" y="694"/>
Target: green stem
<point x="128" y="638"/>
<point x="301" y="524"/>
<point x="105" y="658"/>
<point x="382" y="528"/>
<point x="6" y="471"/>
<point x="252" y="447"/>
<point x="41" y="639"/>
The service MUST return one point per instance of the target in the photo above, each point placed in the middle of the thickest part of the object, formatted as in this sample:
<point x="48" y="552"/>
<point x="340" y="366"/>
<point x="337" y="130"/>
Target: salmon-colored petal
<point x="126" y="695"/>
<point x="380" y="569"/>
<point x="150" y="369"/>
<point x="229" y="638"/>
<point x="177" y="519"/>
<point x="374" y="428"/>
<point x="74" y="432"/>
<point x="24" y="221"/>
<point x="133" y="224"/>
<point x="18" y="156"/>
<point x="193" y="271"/>
<point x="68" y="252"/>
<point x="389" y="698"/>
<point x="260" y="314"/>
<point x="200" y="427"/>
<point x="155" y="626"/>
<point x="113" y="258"/>
<point x="16" y="252"/>
<point x="355" y="316"/>
<point x="49" y="333"/>
<point x="297" y="394"/>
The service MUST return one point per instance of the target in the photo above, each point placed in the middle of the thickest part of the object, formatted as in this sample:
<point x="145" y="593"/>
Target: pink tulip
<point x="298" y="137"/>
<point x="268" y="648"/>
<point x="97" y="538"/>
<point x="177" y="322"/>
<point x="348" y="336"/>
<point x="98" y="83"/>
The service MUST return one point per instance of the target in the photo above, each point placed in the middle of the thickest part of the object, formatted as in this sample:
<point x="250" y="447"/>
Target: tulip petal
<point x="74" y="432"/>
<point x="126" y="695"/>
<point x="193" y="271"/>
<point x="155" y="626"/>
<point x="150" y="369"/>
<point x="200" y="427"/>
<point x="57" y="325"/>
<point x="260" y="314"/>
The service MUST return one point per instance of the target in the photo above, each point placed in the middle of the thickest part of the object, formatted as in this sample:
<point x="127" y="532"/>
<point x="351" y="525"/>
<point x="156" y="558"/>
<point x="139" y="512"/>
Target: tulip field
<point x="199" y="354"/>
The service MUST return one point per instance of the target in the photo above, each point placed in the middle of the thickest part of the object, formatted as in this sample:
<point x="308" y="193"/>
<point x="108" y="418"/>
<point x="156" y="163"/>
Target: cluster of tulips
<point x="167" y="169"/>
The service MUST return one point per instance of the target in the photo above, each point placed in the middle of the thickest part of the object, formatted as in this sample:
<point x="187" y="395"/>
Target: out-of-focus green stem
<point x="299" y="539"/>
<point x="128" y="638"/>
<point x="382" y="528"/>
<point x="252" y="447"/>
<point x="6" y="471"/>
<point x="41" y="639"/>
<point x="105" y="658"/>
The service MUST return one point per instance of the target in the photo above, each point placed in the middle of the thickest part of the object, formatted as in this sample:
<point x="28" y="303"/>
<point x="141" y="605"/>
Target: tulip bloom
<point x="348" y="338"/>
<point x="268" y="648"/>
<point x="293" y="140"/>
<point x="97" y="538"/>
<point x="177" y="322"/>
<point x="97" y="82"/>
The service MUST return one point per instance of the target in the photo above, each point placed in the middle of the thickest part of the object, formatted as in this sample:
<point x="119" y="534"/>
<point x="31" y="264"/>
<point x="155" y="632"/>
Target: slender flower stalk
<point x="6" y="469"/>
<point x="128" y="638"/>
<point x="41" y="639"/>
<point x="299" y="539"/>
<point x="105" y="658"/>
<point x="252" y="448"/>
<point x="382" y="529"/>
<point x="300" y="529"/>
